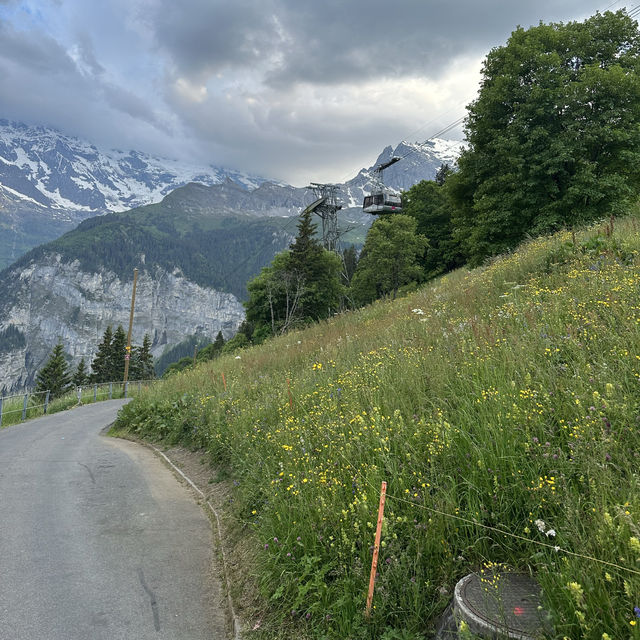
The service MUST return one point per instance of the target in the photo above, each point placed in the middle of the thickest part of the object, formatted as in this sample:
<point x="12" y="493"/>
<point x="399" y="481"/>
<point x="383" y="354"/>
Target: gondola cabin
<point x="381" y="201"/>
<point x="378" y="203"/>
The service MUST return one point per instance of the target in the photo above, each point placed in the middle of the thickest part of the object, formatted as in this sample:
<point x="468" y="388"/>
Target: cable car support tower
<point x="326" y="207"/>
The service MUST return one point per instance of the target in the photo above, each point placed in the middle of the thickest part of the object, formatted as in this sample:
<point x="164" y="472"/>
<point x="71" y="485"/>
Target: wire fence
<point x="32" y="404"/>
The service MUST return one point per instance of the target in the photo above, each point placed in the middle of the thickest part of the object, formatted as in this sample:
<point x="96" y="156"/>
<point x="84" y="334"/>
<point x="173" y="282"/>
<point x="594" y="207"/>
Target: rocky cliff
<point x="54" y="300"/>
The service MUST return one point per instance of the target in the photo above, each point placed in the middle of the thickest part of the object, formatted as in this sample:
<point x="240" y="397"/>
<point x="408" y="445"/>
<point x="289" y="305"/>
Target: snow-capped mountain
<point x="44" y="166"/>
<point x="420" y="161"/>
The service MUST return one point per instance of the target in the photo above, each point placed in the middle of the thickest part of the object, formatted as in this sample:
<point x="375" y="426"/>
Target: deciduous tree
<point x="553" y="135"/>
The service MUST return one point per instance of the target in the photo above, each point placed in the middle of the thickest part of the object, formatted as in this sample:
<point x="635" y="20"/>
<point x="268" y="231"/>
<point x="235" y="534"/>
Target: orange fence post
<point x="224" y="381"/>
<point x="376" y="548"/>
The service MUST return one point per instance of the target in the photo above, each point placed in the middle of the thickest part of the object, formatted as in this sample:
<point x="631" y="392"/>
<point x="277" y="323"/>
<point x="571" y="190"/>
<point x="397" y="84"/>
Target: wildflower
<point x="238" y="358"/>
<point x="634" y="543"/>
<point x="636" y="610"/>
<point x="575" y="590"/>
<point x="541" y="525"/>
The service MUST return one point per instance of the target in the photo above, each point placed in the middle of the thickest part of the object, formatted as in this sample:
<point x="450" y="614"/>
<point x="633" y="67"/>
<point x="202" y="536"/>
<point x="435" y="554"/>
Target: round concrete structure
<point x="501" y="605"/>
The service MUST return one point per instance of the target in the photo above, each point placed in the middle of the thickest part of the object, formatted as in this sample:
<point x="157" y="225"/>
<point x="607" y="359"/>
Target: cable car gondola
<point x="381" y="200"/>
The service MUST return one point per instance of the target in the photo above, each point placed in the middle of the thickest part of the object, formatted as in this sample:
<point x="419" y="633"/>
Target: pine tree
<point x="80" y="377"/>
<point x="218" y="342"/>
<point x="102" y="359"/>
<point x="117" y="355"/>
<point x="54" y="376"/>
<point x="144" y="360"/>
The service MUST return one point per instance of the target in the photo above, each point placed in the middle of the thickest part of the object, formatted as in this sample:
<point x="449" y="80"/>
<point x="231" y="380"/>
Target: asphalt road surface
<point x="98" y="540"/>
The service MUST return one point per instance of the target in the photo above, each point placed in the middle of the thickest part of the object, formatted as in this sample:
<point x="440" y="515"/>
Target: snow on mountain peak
<point x="63" y="172"/>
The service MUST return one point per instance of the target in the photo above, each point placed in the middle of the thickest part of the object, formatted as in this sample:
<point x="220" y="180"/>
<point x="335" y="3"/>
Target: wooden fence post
<point x="24" y="407"/>
<point x="46" y="402"/>
<point x="376" y="549"/>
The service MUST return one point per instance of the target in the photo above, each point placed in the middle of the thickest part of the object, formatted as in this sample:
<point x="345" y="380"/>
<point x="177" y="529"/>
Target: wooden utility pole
<point x="127" y="356"/>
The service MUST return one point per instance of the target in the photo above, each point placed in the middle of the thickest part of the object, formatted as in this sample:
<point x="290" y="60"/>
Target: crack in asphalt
<point x="152" y="596"/>
<point x="89" y="471"/>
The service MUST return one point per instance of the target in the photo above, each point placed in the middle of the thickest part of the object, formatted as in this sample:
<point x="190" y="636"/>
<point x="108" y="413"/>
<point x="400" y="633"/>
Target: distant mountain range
<point x="195" y="249"/>
<point x="49" y="182"/>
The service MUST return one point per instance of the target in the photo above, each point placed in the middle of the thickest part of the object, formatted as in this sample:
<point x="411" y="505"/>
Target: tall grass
<point x="502" y="399"/>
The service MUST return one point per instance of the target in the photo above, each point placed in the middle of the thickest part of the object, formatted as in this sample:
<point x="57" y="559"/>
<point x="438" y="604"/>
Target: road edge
<point x="236" y="625"/>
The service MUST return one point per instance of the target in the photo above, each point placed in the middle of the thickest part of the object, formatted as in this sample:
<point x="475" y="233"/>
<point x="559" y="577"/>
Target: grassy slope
<point x="503" y="396"/>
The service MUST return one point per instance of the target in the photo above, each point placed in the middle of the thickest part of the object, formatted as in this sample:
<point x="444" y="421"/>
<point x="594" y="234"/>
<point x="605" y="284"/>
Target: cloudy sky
<point x="296" y="90"/>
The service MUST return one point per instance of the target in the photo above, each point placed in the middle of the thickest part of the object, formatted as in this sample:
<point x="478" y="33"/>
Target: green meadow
<point x="502" y="407"/>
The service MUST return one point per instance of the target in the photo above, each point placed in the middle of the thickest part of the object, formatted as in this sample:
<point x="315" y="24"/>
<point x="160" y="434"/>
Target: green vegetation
<point x="500" y="399"/>
<point x="220" y="251"/>
<point x="553" y="136"/>
<point x="302" y="285"/>
<point x="80" y="377"/>
<point x="54" y="376"/>
<point x="109" y="361"/>
<point x="12" y="406"/>
<point x="388" y="260"/>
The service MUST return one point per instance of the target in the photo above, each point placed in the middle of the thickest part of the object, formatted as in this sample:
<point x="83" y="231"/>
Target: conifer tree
<point x="101" y="362"/>
<point x="218" y="342"/>
<point x="80" y="377"/>
<point x="144" y="360"/>
<point x="118" y="351"/>
<point x="54" y="376"/>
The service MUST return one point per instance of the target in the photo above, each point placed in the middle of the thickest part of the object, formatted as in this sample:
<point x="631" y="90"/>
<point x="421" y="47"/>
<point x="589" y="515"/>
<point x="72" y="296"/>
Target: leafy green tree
<point x="54" y="376"/>
<point x="349" y="264"/>
<point x="429" y="203"/>
<point x="238" y="341"/>
<point x="301" y="285"/>
<point x="80" y="377"/>
<point x="553" y="135"/>
<point x="389" y="258"/>
<point x="442" y="173"/>
<point x="100" y="366"/>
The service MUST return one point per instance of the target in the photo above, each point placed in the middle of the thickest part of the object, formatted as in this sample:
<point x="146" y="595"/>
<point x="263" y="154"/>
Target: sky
<point x="294" y="90"/>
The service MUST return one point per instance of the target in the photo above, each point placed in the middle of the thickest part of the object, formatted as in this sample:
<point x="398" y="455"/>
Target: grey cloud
<point x="127" y="102"/>
<point x="209" y="37"/>
<point x="33" y="50"/>
<point x="336" y="41"/>
<point x="87" y="53"/>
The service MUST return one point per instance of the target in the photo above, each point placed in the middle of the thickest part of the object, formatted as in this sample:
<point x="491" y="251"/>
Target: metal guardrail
<point x="33" y="403"/>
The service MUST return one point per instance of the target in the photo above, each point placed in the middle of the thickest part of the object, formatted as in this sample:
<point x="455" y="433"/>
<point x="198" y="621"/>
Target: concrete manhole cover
<point x="503" y="605"/>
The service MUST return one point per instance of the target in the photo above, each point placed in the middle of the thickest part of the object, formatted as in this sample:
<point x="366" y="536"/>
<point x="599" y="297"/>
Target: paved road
<point x="98" y="540"/>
